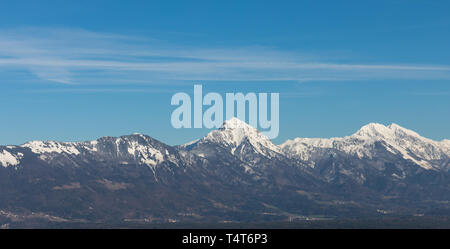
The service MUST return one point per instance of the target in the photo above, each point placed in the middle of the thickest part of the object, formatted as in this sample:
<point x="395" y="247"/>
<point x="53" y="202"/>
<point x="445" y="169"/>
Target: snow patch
<point x="147" y="154"/>
<point x="93" y="146"/>
<point x="398" y="140"/>
<point x="8" y="159"/>
<point x="40" y="147"/>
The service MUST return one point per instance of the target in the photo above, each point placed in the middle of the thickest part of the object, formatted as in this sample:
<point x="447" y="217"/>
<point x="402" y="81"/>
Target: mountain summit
<point x="234" y="132"/>
<point x="373" y="140"/>
<point x="236" y="137"/>
<point x="376" y="130"/>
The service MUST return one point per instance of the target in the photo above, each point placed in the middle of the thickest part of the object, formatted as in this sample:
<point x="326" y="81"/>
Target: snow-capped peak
<point x="393" y="134"/>
<point x="235" y="123"/>
<point x="234" y="132"/>
<point x="380" y="131"/>
<point x="396" y="139"/>
<point x="373" y="130"/>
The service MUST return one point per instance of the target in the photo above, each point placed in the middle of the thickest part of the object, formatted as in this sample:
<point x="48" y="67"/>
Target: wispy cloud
<point x="101" y="90"/>
<point x="441" y="93"/>
<point x="78" y="56"/>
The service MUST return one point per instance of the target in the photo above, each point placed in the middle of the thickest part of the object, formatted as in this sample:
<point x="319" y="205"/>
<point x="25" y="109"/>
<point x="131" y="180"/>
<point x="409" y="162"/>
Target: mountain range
<point x="233" y="174"/>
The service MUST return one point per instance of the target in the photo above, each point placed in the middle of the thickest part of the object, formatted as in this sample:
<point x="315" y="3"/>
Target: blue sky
<point x="78" y="70"/>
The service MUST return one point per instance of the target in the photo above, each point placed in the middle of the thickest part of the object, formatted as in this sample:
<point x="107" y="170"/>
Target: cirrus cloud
<point x="75" y="56"/>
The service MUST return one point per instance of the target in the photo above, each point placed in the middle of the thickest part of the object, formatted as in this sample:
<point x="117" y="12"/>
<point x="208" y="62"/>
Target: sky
<point x="79" y="70"/>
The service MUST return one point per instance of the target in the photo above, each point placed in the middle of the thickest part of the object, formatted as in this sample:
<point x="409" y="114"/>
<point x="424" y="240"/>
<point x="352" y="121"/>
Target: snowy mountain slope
<point x="233" y="173"/>
<point x="136" y="149"/>
<point x="395" y="139"/>
<point x="238" y="138"/>
<point x="8" y="157"/>
<point x="446" y="145"/>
